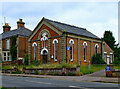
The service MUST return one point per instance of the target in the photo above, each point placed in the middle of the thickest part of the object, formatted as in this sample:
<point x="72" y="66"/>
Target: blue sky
<point x="94" y="16"/>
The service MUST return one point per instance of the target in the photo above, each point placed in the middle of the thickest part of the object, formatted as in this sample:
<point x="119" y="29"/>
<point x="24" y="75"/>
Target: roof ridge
<point x="66" y="24"/>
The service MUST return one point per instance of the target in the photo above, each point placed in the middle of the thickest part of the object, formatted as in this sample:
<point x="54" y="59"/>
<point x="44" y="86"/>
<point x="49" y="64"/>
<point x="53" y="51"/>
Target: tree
<point x="97" y="59"/>
<point x="13" y="49"/>
<point x="109" y="39"/>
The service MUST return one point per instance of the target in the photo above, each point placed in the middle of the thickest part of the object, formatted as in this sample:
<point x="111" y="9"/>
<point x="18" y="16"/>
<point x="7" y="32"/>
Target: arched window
<point x="85" y="45"/>
<point x="44" y="40"/>
<point x="34" y="45"/>
<point x="71" y="49"/>
<point x="96" y="47"/>
<point x="55" y="41"/>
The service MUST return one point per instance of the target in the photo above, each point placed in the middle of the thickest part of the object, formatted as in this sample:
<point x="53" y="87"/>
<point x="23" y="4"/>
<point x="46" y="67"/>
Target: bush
<point x="36" y="63"/>
<point x="116" y="60"/>
<point x="97" y="59"/>
<point x="13" y="49"/>
<point x="26" y="59"/>
<point x="36" y="72"/>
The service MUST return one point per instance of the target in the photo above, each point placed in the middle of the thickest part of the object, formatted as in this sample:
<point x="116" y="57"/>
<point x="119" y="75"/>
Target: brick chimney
<point x="20" y="23"/>
<point x="6" y="27"/>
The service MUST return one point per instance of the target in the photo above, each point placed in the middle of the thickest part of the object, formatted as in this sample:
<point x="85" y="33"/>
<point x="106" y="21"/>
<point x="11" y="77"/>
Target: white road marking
<point x="38" y="82"/>
<point x="79" y="87"/>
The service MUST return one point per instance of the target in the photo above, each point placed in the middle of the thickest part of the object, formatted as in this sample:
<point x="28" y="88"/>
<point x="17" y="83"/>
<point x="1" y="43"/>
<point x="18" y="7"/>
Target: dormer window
<point x="7" y="44"/>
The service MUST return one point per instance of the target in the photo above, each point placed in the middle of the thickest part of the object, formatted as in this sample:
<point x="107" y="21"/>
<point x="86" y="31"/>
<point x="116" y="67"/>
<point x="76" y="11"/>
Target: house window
<point x="71" y="49"/>
<point x="4" y="56"/>
<point x="55" y="41"/>
<point x="111" y="58"/>
<point x="8" y="57"/>
<point x="96" y="46"/>
<point x="34" y="45"/>
<point x="104" y="57"/>
<point x="85" y="45"/>
<point x="7" y="44"/>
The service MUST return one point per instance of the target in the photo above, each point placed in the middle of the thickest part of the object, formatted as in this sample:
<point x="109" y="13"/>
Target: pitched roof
<point x="71" y="29"/>
<point x="17" y="32"/>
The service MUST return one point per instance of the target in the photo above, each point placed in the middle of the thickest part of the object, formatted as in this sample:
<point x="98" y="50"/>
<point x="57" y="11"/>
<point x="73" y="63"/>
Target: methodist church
<point x="55" y="42"/>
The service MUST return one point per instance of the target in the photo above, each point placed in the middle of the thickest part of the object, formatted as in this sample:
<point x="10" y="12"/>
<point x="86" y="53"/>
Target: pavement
<point x="85" y="78"/>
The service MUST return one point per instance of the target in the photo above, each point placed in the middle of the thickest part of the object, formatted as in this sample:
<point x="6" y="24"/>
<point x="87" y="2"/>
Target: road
<point x="15" y="81"/>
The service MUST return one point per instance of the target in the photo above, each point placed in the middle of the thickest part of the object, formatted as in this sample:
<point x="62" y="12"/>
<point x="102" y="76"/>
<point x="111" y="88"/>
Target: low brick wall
<point x="60" y="71"/>
<point x="116" y="73"/>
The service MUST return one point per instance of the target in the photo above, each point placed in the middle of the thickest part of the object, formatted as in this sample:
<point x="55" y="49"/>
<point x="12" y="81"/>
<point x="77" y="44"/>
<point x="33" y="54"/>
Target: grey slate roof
<point x="72" y="29"/>
<point x="17" y="32"/>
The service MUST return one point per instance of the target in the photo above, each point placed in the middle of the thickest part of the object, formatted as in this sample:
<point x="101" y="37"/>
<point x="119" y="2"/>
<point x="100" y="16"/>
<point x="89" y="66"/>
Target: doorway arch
<point x="45" y="56"/>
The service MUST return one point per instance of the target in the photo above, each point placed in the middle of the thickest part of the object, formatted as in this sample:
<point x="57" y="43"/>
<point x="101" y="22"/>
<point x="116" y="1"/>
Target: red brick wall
<point x="23" y="46"/>
<point x="75" y="51"/>
<point x="4" y="44"/>
<point x="88" y="52"/>
<point x="52" y="33"/>
<point x="108" y="50"/>
<point x="94" y="48"/>
<point x="58" y="50"/>
<point x="35" y="37"/>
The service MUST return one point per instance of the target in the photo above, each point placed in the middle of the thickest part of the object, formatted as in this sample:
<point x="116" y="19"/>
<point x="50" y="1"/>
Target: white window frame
<point x="55" y="40"/>
<point x="4" y="57"/>
<point x="34" y="44"/>
<point x="8" y="57"/>
<point x="111" y="55"/>
<point x="96" y="46"/>
<point x="105" y="56"/>
<point x="85" y="50"/>
<point x="8" y="44"/>
<point x="71" y="40"/>
<point x="43" y="39"/>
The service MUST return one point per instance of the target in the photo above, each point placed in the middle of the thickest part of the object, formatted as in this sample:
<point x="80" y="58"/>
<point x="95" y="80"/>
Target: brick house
<point x="54" y="42"/>
<point x="22" y="35"/>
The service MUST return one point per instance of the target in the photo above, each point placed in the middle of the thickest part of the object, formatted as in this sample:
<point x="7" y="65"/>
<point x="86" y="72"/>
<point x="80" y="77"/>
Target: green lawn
<point x="93" y="68"/>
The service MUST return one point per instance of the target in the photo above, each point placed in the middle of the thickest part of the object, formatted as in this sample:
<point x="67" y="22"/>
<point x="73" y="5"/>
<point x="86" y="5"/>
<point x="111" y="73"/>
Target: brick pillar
<point x="39" y="51"/>
<point x="79" y="51"/>
<point x="49" y="50"/>
<point x="29" y="51"/>
<point x="62" y="48"/>
<point x="102" y="51"/>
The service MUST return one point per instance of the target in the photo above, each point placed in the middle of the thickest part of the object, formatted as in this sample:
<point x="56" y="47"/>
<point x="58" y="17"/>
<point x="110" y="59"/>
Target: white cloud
<point x="96" y="17"/>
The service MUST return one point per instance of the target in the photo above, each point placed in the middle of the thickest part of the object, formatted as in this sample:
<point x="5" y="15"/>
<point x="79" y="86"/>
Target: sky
<point x="96" y="17"/>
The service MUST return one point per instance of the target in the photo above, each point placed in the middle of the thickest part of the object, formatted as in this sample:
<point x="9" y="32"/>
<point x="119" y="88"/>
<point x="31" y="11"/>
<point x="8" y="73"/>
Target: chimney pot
<point x="20" y="23"/>
<point x="6" y="27"/>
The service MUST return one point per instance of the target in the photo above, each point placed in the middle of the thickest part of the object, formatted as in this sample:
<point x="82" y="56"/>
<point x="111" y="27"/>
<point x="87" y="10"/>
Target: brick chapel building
<point x="22" y="33"/>
<point x="55" y="42"/>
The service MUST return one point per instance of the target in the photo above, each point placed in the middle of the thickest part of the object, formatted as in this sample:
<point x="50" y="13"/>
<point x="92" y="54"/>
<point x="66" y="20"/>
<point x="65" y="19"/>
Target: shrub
<point x="36" y="72"/>
<point x="117" y="60"/>
<point x="13" y="49"/>
<point x="26" y="59"/>
<point x="97" y="59"/>
<point x="36" y="63"/>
